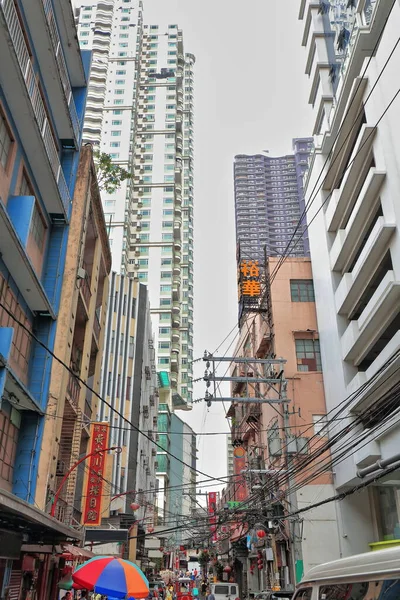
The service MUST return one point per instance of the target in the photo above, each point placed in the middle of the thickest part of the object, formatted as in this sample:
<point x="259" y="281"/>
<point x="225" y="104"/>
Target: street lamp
<point x="118" y="449"/>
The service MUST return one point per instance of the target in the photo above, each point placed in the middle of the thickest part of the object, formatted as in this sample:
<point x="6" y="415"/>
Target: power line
<point x="112" y="408"/>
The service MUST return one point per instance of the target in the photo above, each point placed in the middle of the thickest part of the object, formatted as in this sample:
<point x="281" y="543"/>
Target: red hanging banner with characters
<point x="95" y="480"/>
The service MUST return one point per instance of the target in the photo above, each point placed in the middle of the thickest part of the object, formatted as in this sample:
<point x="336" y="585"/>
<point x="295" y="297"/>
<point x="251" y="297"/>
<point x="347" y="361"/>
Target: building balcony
<point x="14" y="232"/>
<point x="176" y="292"/>
<point x="361" y="334"/>
<point x="22" y="92"/>
<point x="11" y="385"/>
<point x="353" y="284"/>
<point x="96" y="329"/>
<point x="85" y="293"/>
<point x="44" y="32"/>
<point x="343" y="198"/>
<point x="176" y="308"/>
<point x="347" y="240"/>
<point x="175" y="336"/>
<point x="73" y="391"/>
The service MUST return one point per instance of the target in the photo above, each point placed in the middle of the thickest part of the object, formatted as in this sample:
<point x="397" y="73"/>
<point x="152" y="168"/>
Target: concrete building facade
<point x="182" y="497"/>
<point x="79" y="344"/>
<point x="279" y="442"/>
<point x="354" y="242"/>
<point x="269" y="199"/>
<point x="129" y="384"/>
<point x="43" y="84"/>
<point x="140" y="110"/>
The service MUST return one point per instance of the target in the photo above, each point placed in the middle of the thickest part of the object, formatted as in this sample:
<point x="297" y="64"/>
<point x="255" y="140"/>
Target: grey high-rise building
<point x="269" y="200"/>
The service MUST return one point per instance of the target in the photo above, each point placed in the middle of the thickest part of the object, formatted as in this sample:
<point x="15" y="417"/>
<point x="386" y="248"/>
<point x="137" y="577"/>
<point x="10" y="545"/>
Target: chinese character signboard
<point x="212" y="513"/>
<point x="241" y="489"/>
<point x="249" y="279"/>
<point x="95" y="482"/>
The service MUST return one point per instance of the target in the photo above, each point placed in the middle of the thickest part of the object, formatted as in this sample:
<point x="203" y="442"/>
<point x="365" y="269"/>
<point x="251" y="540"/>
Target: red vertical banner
<point x="239" y="465"/>
<point x="212" y="513"/>
<point x="94" y="485"/>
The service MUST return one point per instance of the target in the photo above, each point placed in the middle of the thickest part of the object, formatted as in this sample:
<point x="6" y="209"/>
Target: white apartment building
<point x="140" y="110"/>
<point x="355" y="250"/>
<point x="129" y="384"/>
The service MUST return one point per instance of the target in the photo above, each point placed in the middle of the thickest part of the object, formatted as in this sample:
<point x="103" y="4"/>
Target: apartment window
<point x="320" y="422"/>
<point x="9" y="427"/>
<point x="128" y="388"/>
<point x="121" y="344"/>
<point x="165" y="289"/>
<point x="120" y="72"/>
<point x="166" y="262"/>
<point x="116" y="133"/>
<point x="166" y="274"/>
<point x="164" y="330"/>
<point x="119" y="92"/>
<point x="302" y="290"/>
<point x="308" y="355"/>
<point x="115" y="144"/>
<point x="118" y="101"/>
<point x="120" y="81"/>
<point x="38" y="228"/>
<point x="21" y="342"/>
<point x="118" y="385"/>
<point x="131" y="346"/>
<point x="143" y="276"/>
<point x="114" y="155"/>
<point x="25" y="188"/>
<point x="163" y="345"/>
<point x="117" y="112"/>
<point x="167" y="237"/>
<point x="165" y="301"/>
<point x="163" y="361"/>
<point x="5" y="142"/>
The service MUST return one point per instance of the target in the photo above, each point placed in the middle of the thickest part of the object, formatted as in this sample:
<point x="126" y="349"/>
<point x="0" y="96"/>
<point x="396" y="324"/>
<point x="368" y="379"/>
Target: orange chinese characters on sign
<point x="250" y="278"/>
<point x="94" y="486"/>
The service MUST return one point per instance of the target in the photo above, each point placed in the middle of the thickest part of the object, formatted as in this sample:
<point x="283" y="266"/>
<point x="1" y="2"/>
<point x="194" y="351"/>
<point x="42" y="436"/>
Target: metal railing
<point x="73" y="390"/>
<point x="85" y="290"/>
<point x="62" y="67"/>
<point x="96" y="326"/>
<point x="15" y="31"/>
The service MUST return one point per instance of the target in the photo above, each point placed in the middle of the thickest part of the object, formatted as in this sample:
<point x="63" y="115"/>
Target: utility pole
<point x="294" y="526"/>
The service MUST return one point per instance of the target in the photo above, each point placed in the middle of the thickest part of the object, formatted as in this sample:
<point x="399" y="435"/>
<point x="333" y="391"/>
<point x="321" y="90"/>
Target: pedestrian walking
<point x="210" y="595"/>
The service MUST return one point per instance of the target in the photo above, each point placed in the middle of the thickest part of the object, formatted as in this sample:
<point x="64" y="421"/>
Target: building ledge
<point x="20" y="514"/>
<point x="17" y="262"/>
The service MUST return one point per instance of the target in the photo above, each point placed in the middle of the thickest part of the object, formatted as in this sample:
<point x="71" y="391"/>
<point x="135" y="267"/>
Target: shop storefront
<point x="32" y="551"/>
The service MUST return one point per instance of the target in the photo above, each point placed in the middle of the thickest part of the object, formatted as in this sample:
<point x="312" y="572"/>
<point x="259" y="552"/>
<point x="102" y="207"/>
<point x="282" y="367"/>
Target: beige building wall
<point x="78" y="344"/>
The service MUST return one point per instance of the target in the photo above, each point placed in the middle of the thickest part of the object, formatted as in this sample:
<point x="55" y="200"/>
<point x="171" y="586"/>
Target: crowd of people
<point x="198" y="587"/>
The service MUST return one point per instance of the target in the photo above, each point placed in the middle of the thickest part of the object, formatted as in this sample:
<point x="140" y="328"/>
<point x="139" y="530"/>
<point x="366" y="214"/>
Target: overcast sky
<point x="250" y="95"/>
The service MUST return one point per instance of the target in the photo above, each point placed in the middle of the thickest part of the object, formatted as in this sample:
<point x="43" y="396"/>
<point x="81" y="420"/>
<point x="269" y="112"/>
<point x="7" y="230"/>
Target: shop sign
<point x="94" y="486"/>
<point x="249" y="281"/>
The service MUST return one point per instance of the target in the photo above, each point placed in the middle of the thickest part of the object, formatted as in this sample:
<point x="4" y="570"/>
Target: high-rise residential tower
<point x="269" y="200"/>
<point x="140" y="110"/>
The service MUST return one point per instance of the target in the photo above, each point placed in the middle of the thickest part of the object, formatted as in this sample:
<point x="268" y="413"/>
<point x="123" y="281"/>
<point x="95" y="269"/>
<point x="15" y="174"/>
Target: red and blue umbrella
<point x="111" y="576"/>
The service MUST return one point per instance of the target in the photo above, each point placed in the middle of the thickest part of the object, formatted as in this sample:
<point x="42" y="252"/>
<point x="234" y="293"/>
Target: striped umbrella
<point x="111" y="576"/>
